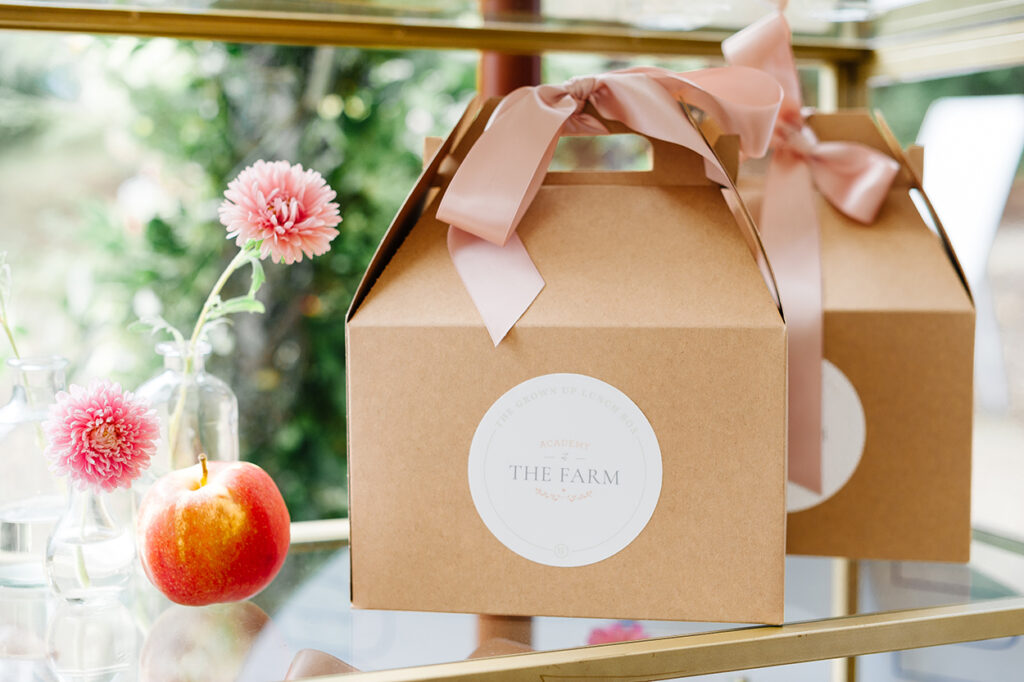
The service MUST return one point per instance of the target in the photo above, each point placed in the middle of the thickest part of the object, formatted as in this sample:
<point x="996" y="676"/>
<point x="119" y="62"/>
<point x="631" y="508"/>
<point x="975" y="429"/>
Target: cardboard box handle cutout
<point x="912" y="160"/>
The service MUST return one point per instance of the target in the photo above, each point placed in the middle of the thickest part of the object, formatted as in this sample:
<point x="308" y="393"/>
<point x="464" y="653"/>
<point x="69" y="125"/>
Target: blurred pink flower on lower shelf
<point x="287" y="208"/>
<point x="619" y="631"/>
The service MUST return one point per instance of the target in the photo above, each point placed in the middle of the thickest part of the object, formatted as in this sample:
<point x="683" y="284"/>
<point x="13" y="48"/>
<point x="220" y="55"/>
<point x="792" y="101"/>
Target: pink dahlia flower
<point x="620" y="631"/>
<point x="100" y="437"/>
<point x="290" y="209"/>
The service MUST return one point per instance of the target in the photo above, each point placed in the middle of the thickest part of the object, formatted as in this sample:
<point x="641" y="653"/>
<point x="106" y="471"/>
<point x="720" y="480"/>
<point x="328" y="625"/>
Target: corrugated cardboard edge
<point x="915" y="171"/>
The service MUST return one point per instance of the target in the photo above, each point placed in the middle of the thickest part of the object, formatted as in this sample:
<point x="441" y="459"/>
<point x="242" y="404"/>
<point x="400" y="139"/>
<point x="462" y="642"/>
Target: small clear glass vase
<point x="31" y="497"/>
<point x="207" y="420"/>
<point x="91" y="553"/>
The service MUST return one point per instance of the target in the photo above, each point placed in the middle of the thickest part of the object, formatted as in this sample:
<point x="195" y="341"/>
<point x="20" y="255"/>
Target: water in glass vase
<point x="91" y="552"/>
<point x="198" y="412"/>
<point x="31" y="498"/>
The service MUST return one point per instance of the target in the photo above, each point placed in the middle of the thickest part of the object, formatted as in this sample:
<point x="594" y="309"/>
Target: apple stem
<point x="202" y="462"/>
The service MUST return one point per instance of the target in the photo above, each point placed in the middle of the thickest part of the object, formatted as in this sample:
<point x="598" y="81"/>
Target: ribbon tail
<point x="854" y="178"/>
<point x="789" y="225"/>
<point x="501" y="280"/>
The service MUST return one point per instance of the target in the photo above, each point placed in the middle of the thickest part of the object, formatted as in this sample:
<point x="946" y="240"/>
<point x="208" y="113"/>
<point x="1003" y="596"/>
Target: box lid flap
<point x="611" y="255"/>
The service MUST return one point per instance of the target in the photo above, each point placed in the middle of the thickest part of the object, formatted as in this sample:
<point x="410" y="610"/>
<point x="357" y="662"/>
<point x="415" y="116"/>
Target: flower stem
<point x="83" y="574"/>
<point x="240" y="259"/>
<point x="7" y="329"/>
<point x="40" y="438"/>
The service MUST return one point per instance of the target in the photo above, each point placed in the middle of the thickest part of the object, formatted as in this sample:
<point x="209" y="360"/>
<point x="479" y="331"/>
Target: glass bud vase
<point x="91" y="552"/>
<point x="31" y="498"/>
<point x="208" y="419"/>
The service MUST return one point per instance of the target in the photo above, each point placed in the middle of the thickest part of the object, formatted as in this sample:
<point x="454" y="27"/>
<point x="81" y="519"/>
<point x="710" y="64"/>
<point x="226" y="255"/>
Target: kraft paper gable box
<point x="897" y="383"/>
<point x="655" y="334"/>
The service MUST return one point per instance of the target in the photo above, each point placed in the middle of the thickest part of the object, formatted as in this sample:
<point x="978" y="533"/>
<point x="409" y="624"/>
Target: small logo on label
<point x="843" y="433"/>
<point x="565" y="470"/>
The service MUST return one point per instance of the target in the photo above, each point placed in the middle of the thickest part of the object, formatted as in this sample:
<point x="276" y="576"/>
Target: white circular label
<point x="565" y="470"/>
<point x="843" y="431"/>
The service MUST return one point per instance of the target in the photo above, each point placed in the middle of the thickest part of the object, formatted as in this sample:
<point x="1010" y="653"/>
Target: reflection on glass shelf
<point x="307" y="606"/>
<point x="999" y="659"/>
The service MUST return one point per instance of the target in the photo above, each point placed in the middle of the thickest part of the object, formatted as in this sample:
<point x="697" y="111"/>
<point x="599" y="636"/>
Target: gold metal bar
<point x="852" y="607"/>
<point x="852" y="84"/>
<point x="997" y="539"/>
<point x="933" y="16"/>
<point x="828" y="88"/>
<point x="319" y="535"/>
<point x="301" y="28"/>
<point x="739" y="649"/>
<point x="975" y="48"/>
<point x="845" y="599"/>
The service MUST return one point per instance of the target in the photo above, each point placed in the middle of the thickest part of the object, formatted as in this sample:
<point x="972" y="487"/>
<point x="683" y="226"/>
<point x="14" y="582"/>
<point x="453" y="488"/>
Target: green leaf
<point x="241" y="304"/>
<point x="258" y="276"/>
<point x="162" y="239"/>
<point x="157" y="324"/>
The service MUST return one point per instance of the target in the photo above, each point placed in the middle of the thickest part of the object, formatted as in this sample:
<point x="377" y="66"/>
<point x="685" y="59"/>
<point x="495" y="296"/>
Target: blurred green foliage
<point x="357" y="117"/>
<point x="197" y="113"/>
<point x="904" y="104"/>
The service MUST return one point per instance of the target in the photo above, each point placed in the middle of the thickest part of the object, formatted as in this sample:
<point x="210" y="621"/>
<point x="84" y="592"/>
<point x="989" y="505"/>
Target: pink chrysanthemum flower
<point x="290" y="209"/>
<point x="100" y="437"/>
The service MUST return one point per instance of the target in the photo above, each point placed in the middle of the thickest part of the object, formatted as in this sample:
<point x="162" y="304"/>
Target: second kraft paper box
<point x="898" y="377"/>
<point x="621" y="453"/>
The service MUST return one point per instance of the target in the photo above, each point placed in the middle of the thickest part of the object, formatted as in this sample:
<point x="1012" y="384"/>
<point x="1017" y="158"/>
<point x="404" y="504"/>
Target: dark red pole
<point x="498" y="75"/>
<point x="501" y="73"/>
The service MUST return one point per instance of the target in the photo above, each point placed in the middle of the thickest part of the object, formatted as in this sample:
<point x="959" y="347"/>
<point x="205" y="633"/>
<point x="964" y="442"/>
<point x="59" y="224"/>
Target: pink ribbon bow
<point x="495" y="184"/>
<point x="852" y="177"/>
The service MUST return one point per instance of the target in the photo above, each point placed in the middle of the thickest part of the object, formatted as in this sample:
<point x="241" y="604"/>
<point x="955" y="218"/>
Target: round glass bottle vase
<point x="91" y="552"/>
<point x="31" y="498"/>
<point x="207" y="410"/>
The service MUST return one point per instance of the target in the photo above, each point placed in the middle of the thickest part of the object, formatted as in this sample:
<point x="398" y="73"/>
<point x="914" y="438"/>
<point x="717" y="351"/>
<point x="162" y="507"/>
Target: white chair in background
<point x="972" y="146"/>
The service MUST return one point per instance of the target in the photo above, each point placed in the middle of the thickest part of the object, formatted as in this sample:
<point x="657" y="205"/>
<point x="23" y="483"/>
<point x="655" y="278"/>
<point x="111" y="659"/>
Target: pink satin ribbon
<point x="503" y="171"/>
<point x="852" y="177"/>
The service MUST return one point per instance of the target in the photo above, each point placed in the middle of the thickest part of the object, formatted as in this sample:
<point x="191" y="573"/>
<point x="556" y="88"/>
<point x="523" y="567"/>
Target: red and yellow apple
<point x="213" y="532"/>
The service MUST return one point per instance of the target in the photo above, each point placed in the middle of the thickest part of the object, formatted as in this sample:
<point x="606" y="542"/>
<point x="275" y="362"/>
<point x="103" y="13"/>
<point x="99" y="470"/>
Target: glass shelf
<point x="893" y="606"/>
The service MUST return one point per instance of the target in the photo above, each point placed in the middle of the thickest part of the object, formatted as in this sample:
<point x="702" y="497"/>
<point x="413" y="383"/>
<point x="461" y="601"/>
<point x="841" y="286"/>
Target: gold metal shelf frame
<point x="729" y="650"/>
<point x="308" y="28"/>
